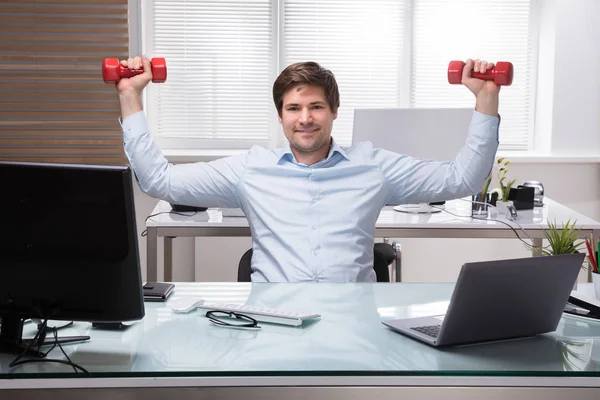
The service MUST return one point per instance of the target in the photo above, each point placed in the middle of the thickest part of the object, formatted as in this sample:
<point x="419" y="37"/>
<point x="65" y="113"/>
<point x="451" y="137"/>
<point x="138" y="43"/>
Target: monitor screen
<point x="68" y="244"/>
<point x="428" y="133"/>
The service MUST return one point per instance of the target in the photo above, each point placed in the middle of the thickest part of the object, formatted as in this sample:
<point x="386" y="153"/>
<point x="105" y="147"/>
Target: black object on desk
<point x="158" y="291"/>
<point x="522" y="197"/>
<point x="184" y="208"/>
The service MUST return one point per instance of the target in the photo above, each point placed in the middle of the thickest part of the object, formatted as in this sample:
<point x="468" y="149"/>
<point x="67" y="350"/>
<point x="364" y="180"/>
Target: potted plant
<point x="505" y="184"/>
<point x="560" y="240"/>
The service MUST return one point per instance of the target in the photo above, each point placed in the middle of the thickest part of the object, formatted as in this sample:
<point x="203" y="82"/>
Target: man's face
<point x="307" y="119"/>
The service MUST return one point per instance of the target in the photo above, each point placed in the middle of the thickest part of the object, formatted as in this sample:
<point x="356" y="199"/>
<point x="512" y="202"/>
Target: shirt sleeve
<point x="203" y="184"/>
<point x="413" y="180"/>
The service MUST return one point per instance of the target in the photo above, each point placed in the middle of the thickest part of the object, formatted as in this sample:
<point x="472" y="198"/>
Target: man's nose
<point x="305" y="116"/>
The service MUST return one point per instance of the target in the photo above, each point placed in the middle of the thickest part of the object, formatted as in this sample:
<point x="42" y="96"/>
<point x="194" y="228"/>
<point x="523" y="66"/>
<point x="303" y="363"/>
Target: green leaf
<point x="560" y="240"/>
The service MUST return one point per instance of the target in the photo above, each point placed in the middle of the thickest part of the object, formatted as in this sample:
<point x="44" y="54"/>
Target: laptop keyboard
<point x="429" y="330"/>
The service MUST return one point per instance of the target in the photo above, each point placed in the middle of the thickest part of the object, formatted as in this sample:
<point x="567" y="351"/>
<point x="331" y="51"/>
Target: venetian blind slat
<point x="57" y="125"/>
<point x="63" y="133"/>
<point x="70" y="3"/>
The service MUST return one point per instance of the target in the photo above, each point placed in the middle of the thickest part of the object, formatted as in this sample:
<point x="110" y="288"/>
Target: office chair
<point x="383" y="255"/>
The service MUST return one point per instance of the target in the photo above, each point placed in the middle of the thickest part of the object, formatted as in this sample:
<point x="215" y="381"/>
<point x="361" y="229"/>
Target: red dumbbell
<point x="501" y="74"/>
<point x="113" y="71"/>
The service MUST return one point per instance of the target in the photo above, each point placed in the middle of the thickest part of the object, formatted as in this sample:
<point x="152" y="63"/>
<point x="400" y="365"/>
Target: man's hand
<point x="486" y="92"/>
<point x="130" y="89"/>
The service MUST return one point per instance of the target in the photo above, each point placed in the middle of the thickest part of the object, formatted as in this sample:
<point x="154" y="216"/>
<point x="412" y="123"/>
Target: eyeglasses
<point x="230" y="319"/>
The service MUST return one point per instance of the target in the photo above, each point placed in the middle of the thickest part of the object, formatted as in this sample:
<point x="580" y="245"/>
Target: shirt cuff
<point x="134" y="125"/>
<point x="490" y="122"/>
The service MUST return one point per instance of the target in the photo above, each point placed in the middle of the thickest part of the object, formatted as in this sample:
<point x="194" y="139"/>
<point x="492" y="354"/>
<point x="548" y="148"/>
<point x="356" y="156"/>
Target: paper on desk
<point x="232" y="212"/>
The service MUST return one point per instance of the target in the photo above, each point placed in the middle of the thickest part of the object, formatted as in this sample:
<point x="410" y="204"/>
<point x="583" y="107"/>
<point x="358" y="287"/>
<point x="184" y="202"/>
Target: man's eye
<point x="293" y="109"/>
<point x="317" y="107"/>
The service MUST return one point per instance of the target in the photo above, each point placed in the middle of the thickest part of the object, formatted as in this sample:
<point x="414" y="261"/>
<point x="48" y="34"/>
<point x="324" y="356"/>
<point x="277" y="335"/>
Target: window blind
<point x="361" y="42"/>
<point x="223" y="57"/>
<point x="54" y="105"/>
<point x="220" y="64"/>
<point x="499" y="30"/>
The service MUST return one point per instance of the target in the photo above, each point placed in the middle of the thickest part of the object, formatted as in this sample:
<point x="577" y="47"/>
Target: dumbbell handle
<point x="501" y="74"/>
<point x="128" y="73"/>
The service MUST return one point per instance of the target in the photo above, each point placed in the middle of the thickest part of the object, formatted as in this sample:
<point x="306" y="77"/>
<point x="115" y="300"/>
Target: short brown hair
<point x="308" y="73"/>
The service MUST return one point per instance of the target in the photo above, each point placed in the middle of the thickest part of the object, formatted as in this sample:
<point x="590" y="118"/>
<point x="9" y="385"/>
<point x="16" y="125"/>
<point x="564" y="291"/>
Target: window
<point x="361" y="42"/>
<point x="220" y="68"/>
<point x="224" y="55"/>
<point x="500" y="30"/>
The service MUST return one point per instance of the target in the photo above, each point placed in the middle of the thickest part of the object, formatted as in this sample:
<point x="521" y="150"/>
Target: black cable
<point x="65" y="354"/>
<point x="509" y="218"/>
<point x="33" y="341"/>
<point x="486" y="219"/>
<point x="145" y="233"/>
<point x="38" y="341"/>
<point x="41" y="360"/>
<point x="68" y="362"/>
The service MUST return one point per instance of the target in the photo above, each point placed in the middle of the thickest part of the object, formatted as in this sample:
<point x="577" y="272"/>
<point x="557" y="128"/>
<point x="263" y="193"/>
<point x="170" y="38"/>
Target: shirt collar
<point x="286" y="152"/>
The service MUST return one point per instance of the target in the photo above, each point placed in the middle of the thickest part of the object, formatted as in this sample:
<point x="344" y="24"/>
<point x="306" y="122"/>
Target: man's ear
<point x="335" y="114"/>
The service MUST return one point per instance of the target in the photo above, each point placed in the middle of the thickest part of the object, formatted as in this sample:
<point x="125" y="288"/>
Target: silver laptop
<point x="499" y="300"/>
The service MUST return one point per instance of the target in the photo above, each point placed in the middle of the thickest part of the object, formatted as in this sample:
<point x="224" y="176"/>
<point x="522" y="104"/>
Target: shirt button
<point x="315" y="252"/>
<point x="314" y="227"/>
<point x="314" y="200"/>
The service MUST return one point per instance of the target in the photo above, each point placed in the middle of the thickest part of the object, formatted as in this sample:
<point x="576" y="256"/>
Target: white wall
<point x="576" y="116"/>
<point x="567" y="123"/>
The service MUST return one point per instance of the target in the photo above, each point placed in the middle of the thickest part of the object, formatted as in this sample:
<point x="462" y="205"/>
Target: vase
<point x="596" y="284"/>
<point x="501" y="206"/>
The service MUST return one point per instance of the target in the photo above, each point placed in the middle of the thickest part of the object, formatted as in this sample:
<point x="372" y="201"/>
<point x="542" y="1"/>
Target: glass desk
<point x="348" y="353"/>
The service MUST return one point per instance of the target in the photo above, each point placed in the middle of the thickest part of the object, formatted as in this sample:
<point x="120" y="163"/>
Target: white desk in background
<point x="391" y="224"/>
<point x="347" y="354"/>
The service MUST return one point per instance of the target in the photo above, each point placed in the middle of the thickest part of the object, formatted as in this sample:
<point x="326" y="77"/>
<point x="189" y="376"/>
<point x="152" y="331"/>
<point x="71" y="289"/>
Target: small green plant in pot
<point x="505" y="183"/>
<point x="560" y="240"/>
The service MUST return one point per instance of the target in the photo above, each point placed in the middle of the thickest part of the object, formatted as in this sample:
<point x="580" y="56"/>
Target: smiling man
<point x="313" y="204"/>
<point x="305" y="111"/>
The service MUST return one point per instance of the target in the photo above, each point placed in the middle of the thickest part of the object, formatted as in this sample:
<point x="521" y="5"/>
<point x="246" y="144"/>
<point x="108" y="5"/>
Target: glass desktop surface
<point x="349" y="339"/>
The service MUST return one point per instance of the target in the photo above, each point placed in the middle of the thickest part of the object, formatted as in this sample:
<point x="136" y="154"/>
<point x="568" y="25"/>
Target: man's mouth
<point x="311" y="130"/>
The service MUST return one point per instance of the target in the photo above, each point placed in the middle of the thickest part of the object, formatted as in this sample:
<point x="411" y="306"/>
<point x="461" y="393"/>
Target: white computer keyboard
<point x="271" y="315"/>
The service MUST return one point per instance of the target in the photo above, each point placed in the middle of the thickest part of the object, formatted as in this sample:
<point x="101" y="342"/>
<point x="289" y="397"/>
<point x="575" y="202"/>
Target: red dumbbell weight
<point x="113" y="71"/>
<point x="501" y="74"/>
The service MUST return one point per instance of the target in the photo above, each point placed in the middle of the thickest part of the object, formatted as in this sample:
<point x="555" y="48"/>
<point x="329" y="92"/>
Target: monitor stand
<point x="11" y="337"/>
<point x="421" y="208"/>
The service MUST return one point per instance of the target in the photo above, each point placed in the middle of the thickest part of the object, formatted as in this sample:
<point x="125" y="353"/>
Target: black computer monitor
<point x="68" y="246"/>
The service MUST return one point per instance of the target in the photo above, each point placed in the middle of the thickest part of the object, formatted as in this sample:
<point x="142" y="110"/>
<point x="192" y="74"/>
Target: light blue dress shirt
<point x="312" y="223"/>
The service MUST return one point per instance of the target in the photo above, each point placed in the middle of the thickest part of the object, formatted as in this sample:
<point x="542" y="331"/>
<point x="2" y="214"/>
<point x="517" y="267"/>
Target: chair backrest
<point x="380" y="266"/>
<point x="244" y="269"/>
<point x="380" y="263"/>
